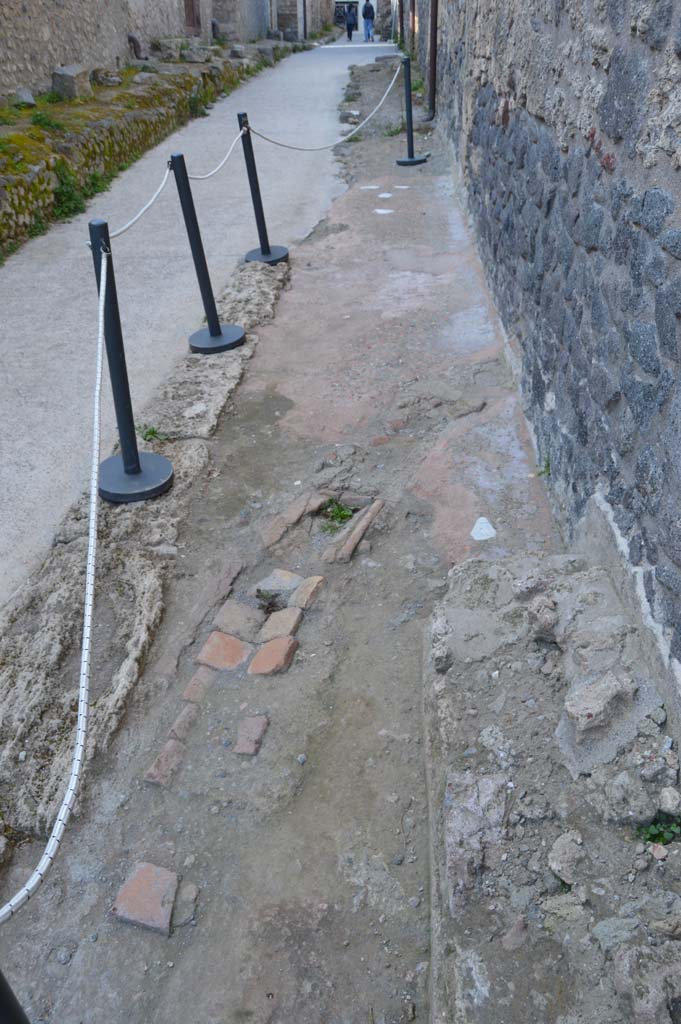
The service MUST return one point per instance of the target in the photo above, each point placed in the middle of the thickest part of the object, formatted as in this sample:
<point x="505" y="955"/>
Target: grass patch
<point x="197" y="106"/>
<point x="395" y="130"/>
<point x="43" y="119"/>
<point x="664" y="829"/>
<point x="335" y="514"/>
<point x="357" y="137"/>
<point x="68" y="196"/>
<point x="38" y="226"/>
<point x="97" y="183"/>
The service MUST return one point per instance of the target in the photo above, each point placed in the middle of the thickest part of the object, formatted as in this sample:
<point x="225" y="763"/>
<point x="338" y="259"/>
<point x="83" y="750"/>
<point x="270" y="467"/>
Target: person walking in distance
<point x="369" y="15"/>
<point x="350" y="21"/>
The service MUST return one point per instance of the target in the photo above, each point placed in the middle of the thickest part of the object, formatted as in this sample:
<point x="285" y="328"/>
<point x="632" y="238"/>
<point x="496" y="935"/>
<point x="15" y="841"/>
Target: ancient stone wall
<point x="245" y="21"/>
<point x="297" y="15"/>
<point x="38" y="35"/>
<point x="566" y="120"/>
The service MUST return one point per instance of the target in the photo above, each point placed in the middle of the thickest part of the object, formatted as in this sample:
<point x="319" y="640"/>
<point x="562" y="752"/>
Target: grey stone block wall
<point x="38" y="35"/>
<point x="566" y="118"/>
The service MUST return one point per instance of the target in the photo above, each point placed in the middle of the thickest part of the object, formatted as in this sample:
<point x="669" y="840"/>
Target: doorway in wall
<point x="192" y="13"/>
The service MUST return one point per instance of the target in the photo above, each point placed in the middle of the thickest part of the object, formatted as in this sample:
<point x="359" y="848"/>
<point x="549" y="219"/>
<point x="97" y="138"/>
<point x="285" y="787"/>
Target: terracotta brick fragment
<point x="197" y="687"/>
<point x="275" y="656"/>
<point x="182" y="725"/>
<point x="283" y="623"/>
<point x="166" y="764"/>
<point x="239" y="619"/>
<point x="306" y="594"/>
<point x="146" y="898"/>
<point x="221" y="650"/>
<point x="250" y="735"/>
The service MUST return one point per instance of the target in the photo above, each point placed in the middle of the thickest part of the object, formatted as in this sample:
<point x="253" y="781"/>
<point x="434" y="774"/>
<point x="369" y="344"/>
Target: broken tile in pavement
<point x="250" y="735"/>
<point x="276" y="656"/>
<point x="239" y="619"/>
<point x="283" y="623"/>
<point x="182" y="725"/>
<point x="147" y="897"/>
<point x="306" y="594"/>
<point x="197" y="687"/>
<point x="280" y="581"/>
<point x="166" y="764"/>
<point x="223" y="651"/>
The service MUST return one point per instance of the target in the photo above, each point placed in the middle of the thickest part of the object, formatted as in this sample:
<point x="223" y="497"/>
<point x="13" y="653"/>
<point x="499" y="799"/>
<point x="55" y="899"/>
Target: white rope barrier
<point x="147" y="206"/>
<point x="318" y="149"/>
<point x="202" y="177"/>
<point x="45" y="863"/>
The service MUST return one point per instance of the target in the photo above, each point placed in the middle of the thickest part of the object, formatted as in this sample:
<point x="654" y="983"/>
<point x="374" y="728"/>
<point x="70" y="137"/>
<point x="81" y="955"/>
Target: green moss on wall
<point x="50" y="165"/>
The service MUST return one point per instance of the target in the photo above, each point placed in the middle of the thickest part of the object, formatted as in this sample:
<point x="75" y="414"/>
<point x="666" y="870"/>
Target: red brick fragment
<point x="275" y="656"/>
<point x="250" y="735"/>
<point x="197" y="687"/>
<point x="221" y="650"/>
<point x="146" y="899"/>
<point x="182" y="725"/>
<point x="166" y="764"/>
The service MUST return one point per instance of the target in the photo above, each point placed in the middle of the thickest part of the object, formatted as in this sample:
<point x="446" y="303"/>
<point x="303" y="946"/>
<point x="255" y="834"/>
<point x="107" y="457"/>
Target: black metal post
<point x="216" y="337"/>
<point x="266" y="253"/>
<point x="10" y="1011"/>
<point x="130" y="476"/>
<point x="410" y="159"/>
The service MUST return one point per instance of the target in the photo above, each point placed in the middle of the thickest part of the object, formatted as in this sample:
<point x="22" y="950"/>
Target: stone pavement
<point x="48" y="296"/>
<point x="279" y="793"/>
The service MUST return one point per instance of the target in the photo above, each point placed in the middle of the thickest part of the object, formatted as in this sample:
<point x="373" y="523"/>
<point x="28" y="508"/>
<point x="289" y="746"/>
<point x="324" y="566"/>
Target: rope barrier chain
<point x="45" y="863"/>
<point x="202" y="177"/>
<point x="318" y="149"/>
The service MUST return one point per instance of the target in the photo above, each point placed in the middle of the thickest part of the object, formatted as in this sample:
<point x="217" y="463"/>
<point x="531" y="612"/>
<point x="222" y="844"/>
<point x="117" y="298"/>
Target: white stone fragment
<point x="483" y="529"/>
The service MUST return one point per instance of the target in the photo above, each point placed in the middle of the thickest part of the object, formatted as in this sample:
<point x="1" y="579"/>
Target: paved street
<point x="272" y="792"/>
<point x="48" y="300"/>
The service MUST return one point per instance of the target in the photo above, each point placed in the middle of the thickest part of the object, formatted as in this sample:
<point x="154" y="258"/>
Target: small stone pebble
<point x="301" y="759"/>
<point x="398" y="859"/>
<point x="415" y="902"/>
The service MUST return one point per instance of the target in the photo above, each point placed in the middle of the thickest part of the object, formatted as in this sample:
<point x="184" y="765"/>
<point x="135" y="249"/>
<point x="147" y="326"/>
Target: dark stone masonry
<point x="589" y="280"/>
<point x="565" y="119"/>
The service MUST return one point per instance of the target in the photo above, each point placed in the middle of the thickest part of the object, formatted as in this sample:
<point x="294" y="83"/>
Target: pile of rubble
<point x="552" y="777"/>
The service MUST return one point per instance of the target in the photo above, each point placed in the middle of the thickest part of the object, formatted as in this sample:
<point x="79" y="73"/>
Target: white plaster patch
<point x="384" y="211"/>
<point x="369" y="188"/>
<point x="385" y="195"/>
<point x="402" y="186"/>
<point x="483" y="529"/>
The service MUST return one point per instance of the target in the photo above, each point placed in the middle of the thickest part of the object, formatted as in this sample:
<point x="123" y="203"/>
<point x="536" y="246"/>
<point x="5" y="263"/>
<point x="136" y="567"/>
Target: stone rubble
<point x="539" y="854"/>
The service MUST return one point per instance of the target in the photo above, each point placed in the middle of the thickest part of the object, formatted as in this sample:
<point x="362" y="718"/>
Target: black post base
<point x="231" y="336"/>
<point x="277" y="254"/>
<point x="117" y="486"/>
<point x="409" y="161"/>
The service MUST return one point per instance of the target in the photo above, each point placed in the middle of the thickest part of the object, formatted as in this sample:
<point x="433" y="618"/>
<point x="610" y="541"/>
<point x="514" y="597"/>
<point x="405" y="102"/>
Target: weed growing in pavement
<point x="268" y="601"/>
<point x="546" y="468"/>
<point x="664" y="829"/>
<point x="355" y="138"/>
<point x="396" y="129"/>
<point x="335" y="514"/>
<point x="150" y="433"/>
